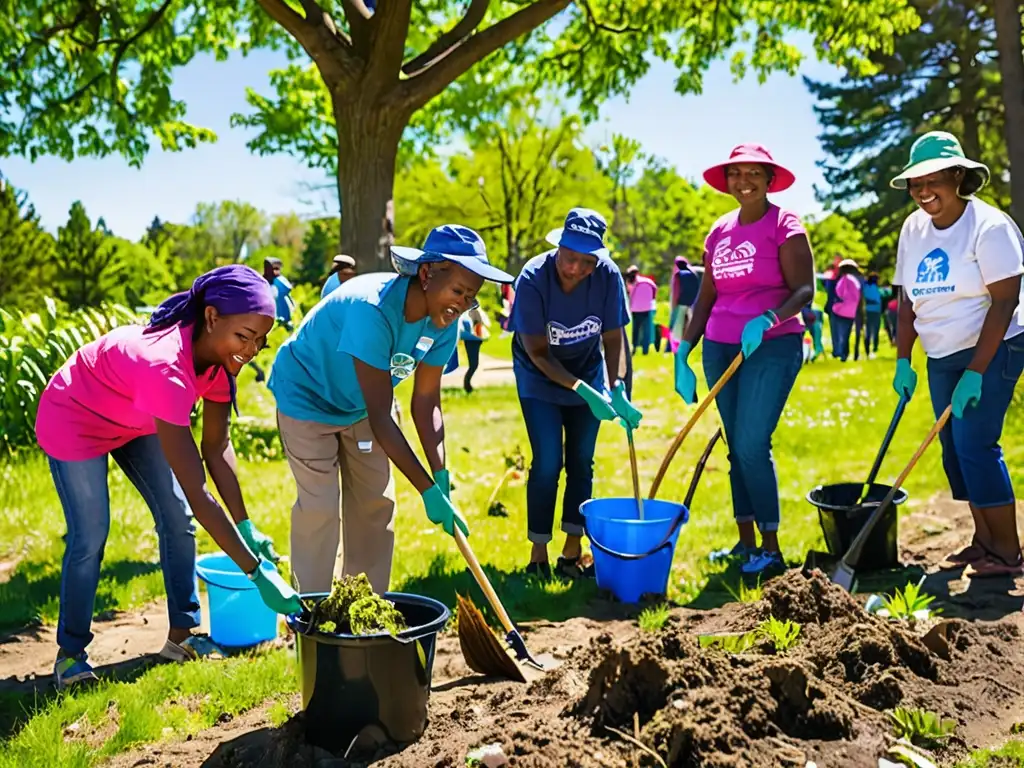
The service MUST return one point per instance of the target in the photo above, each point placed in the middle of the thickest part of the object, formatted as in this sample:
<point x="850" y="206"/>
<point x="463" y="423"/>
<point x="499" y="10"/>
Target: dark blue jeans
<point x="971" y="454"/>
<point x="643" y="331"/>
<point x="545" y="425"/>
<point x="473" y="361"/>
<point x="873" y="324"/>
<point x="842" y="327"/>
<point x="82" y="488"/>
<point x="750" y="405"/>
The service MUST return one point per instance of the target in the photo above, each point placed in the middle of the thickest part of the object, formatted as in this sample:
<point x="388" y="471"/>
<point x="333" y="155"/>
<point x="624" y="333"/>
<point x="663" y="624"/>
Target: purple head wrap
<point x="233" y="290"/>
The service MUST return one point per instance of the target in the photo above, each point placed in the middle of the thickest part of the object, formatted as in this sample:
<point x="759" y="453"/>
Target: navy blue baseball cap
<point x="449" y="242"/>
<point x="583" y="232"/>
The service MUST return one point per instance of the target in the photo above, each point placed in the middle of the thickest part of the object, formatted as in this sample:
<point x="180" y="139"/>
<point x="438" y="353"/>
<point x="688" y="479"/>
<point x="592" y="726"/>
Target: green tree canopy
<point x="835" y="237"/>
<point x="26" y="249"/>
<point x="80" y="77"/>
<point x="89" y="269"/>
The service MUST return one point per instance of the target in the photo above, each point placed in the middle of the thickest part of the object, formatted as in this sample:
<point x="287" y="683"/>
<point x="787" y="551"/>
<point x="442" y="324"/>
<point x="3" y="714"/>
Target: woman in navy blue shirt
<point x="567" y="352"/>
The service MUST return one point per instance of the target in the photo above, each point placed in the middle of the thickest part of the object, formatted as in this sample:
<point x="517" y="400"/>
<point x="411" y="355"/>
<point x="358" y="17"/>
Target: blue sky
<point x="691" y="132"/>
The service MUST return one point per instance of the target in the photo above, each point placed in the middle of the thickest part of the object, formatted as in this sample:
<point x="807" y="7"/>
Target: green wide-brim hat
<point x="936" y="151"/>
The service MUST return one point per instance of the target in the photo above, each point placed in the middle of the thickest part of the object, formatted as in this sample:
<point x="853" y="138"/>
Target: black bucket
<point x="841" y="521"/>
<point x="374" y="687"/>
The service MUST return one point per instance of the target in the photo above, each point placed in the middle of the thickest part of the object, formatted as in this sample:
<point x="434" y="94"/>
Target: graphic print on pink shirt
<point x="109" y="391"/>
<point x="743" y="263"/>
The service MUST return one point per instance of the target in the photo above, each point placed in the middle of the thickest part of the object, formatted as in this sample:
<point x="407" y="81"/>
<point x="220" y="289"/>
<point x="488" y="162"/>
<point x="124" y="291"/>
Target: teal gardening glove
<point x="753" y="332"/>
<point x="686" y="379"/>
<point x="444" y="482"/>
<point x="967" y="393"/>
<point x="628" y="412"/>
<point x="276" y="594"/>
<point x="905" y="380"/>
<point x="600" y="405"/>
<point x="441" y="511"/>
<point x="261" y="545"/>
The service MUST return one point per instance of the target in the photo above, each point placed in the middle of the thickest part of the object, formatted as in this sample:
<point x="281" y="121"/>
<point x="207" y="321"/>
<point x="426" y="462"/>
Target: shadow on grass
<point x="21" y="701"/>
<point x="526" y="599"/>
<point x="35" y="586"/>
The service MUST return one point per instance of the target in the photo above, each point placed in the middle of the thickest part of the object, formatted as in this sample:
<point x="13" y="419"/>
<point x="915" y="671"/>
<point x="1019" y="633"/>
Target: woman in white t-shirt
<point x="959" y="265"/>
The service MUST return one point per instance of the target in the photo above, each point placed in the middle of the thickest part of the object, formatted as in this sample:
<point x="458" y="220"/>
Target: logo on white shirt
<point x="728" y="262"/>
<point x="559" y="335"/>
<point x="933" y="268"/>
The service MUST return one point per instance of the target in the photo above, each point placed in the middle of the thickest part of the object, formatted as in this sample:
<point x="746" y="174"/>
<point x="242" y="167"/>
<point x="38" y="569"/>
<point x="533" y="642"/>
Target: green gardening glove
<point x="967" y="393"/>
<point x="444" y="482"/>
<point x="600" y="405"/>
<point x="440" y="511"/>
<point x="260" y="544"/>
<point x="905" y="381"/>
<point x="686" y="379"/>
<point x="625" y="409"/>
<point x="753" y="332"/>
<point x="276" y="594"/>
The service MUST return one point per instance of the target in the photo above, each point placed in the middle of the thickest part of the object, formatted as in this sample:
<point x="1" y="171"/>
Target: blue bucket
<point x="632" y="556"/>
<point x="238" y="616"/>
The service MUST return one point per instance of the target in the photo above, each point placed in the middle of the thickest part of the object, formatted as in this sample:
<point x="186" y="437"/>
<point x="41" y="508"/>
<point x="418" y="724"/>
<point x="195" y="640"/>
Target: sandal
<point x="581" y="567"/>
<point x="992" y="565"/>
<point x="540" y="570"/>
<point x="972" y="553"/>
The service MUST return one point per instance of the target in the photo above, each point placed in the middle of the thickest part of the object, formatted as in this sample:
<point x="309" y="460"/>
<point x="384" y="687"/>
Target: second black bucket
<point x="374" y="687"/>
<point x="841" y="521"/>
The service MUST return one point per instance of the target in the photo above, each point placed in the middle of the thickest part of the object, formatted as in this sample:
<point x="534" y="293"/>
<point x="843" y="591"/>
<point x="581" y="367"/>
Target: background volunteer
<point x="959" y="263"/>
<point x="758" y="275"/>
<point x="343" y="268"/>
<point x="129" y="395"/>
<point x="334" y="382"/>
<point x="568" y="322"/>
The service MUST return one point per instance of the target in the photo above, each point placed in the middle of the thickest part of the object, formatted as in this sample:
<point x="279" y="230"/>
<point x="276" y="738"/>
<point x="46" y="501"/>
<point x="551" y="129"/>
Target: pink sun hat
<point x="749" y="153"/>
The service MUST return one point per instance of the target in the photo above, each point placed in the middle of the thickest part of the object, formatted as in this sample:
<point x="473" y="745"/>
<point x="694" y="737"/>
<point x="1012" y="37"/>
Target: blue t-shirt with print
<point x="572" y="322"/>
<point x="314" y="375"/>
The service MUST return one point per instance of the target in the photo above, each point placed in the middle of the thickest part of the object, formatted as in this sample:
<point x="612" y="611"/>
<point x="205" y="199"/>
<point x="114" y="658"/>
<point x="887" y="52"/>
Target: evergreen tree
<point x="320" y="245"/>
<point x="26" y="250"/>
<point x="942" y="76"/>
<point x="89" y="264"/>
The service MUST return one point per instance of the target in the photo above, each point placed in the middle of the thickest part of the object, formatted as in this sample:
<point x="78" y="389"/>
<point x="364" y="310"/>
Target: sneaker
<point x="540" y="570"/>
<point x="739" y="551"/>
<point x="763" y="562"/>
<point x="72" y="670"/>
<point x="193" y="648"/>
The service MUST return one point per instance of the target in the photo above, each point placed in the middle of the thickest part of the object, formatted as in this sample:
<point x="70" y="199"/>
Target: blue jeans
<point x="545" y="424"/>
<point x="842" y="327"/>
<point x="750" y="405"/>
<point x="643" y="331"/>
<point x="873" y="324"/>
<point x="82" y="488"/>
<point x="971" y="454"/>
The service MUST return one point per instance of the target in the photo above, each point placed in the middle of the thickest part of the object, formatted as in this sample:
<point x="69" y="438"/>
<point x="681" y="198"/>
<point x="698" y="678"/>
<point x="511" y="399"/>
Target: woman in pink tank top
<point x="758" y="275"/>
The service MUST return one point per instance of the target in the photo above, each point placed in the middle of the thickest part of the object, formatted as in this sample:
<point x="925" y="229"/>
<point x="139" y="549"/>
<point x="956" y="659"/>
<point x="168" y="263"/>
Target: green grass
<point x="1009" y="754"/>
<point x="830" y="431"/>
<point x="652" y="619"/>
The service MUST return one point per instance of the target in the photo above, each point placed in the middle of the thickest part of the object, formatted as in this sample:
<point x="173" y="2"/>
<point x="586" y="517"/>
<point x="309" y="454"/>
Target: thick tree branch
<point x="358" y="17"/>
<point x="331" y="51"/>
<point x="388" y="32"/>
<point x="431" y="81"/>
<point x="450" y="39"/>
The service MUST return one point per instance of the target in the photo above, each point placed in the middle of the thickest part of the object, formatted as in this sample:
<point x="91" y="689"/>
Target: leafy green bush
<point x="33" y="346"/>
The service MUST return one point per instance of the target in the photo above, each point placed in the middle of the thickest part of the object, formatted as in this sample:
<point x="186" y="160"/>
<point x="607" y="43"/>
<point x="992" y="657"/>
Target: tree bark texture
<point x="1011" y="66"/>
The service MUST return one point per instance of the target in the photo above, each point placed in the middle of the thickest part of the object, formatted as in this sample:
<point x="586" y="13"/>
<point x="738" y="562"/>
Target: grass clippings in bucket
<point x="352" y="608"/>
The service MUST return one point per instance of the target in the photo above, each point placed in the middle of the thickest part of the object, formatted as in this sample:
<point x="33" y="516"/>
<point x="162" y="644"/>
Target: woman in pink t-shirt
<point x="129" y="395"/>
<point x="846" y="306"/>
<point x="758" y="275"/>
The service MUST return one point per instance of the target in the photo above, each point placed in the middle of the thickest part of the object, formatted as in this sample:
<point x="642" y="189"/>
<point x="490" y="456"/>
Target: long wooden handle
<point x="482" y="580"/>
<point x="636" y="474"/>
<point x="722" y="381"/>
<point x="853" y="553"/>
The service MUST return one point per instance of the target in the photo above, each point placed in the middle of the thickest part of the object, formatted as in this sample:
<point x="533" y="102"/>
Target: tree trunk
<point x="1011" y="68"/>
<point x="368" y="138"/>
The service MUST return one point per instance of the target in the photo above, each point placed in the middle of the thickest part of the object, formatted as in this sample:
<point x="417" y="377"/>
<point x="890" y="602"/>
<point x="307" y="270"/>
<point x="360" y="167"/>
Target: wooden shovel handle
<point x="722" y="381"/>
<point x="482" y="580"/>
<point x="853" y="553"/>
<point x="636" y="474"/>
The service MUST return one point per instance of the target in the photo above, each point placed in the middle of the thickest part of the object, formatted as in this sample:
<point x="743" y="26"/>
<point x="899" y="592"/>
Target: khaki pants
<point x="360" y="511"/>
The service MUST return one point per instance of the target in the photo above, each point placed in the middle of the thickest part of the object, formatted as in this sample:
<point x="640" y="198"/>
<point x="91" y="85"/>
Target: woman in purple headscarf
<point x="129" y="395"/>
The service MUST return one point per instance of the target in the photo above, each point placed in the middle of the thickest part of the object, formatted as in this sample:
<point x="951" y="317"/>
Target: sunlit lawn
<point x="830" y="432"/>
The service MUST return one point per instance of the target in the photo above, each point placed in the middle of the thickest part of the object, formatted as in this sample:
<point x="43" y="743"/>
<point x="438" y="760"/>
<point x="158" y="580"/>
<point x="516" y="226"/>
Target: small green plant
<point x="910" y="605"/>
<point x="782" y="634"/>
<point x="352" y="607"/>
<point x="920" y="727"/>
<point x="652" y="619"/>
<point x="745" y="593"/>
<point x="730" y="643"/>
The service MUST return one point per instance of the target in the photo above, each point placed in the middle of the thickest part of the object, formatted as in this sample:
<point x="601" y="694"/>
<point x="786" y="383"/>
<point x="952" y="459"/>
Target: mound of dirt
<point x="821" y="701"/>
